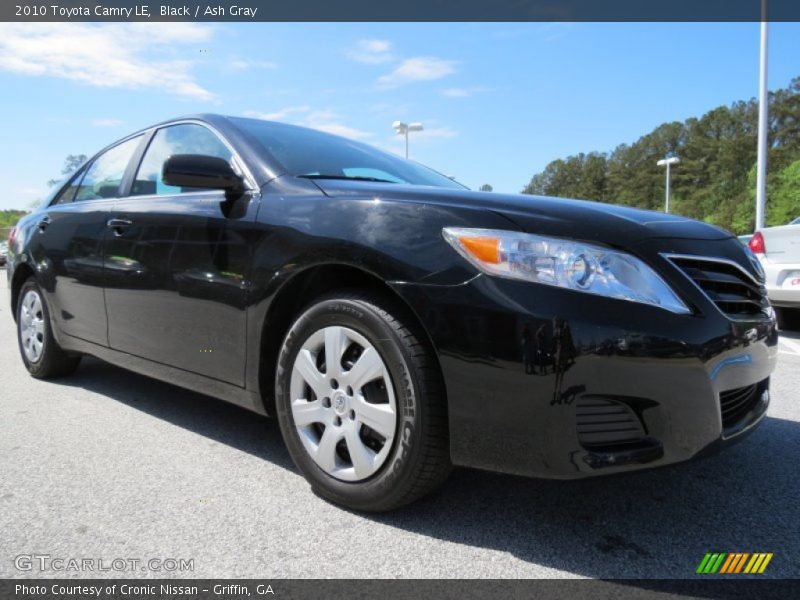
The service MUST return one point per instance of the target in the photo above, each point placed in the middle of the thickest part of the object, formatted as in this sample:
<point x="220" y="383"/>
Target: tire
<point x="398" y="467"/>
<point x="40" y="352"/>
<point x="788" y="318"/>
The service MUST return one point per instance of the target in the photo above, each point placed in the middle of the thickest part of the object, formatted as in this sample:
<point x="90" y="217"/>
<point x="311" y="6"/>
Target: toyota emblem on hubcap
<point x="339" y="403"/>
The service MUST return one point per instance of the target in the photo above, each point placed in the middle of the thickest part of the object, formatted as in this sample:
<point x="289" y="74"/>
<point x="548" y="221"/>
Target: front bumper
<point x="553" y="383"/>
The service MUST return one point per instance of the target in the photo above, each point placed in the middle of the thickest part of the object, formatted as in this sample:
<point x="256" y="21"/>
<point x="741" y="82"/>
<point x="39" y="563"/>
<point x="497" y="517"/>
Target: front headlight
<point x="563" y="263"/>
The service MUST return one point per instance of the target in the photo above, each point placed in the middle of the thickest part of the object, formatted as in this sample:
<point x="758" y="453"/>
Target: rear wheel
<point x="361" y="404"/>
<point x="41" y="354"/>
<point x="788" y="318"/>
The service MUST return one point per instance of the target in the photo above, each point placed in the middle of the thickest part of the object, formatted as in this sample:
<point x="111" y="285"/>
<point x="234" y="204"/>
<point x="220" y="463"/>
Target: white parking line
<point x="786" y="346"/>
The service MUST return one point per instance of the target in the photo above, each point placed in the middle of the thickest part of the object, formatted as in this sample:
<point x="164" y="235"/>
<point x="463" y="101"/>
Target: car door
<point x="177" y="260"/>
<point x="68" y="243"/>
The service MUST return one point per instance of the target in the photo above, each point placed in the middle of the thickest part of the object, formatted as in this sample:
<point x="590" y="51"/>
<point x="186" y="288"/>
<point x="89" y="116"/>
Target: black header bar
<point x="400" y="10"/>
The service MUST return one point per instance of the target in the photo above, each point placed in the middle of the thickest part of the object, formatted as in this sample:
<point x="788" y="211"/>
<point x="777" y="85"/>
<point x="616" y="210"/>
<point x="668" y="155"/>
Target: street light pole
<point x="763" y="114"/>
<point x="667" y="162"/>
<point x="404" y="129"/>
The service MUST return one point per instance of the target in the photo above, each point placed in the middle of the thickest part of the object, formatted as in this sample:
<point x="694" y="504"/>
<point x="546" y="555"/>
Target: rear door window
<point x="104" y="176"/>
<point x="68" y="193"/>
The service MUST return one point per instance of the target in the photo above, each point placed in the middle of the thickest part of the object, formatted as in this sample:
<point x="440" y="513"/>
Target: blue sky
<point x="498" y="101"/>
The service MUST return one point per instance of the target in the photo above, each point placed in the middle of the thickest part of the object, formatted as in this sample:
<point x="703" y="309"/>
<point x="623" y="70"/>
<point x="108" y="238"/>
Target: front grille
<point x="729" y="287"/>
<point x="603" y="422"/>
<point x="735" y="404"/>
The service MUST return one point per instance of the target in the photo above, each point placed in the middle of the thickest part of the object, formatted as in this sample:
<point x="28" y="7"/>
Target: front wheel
<point x="361" y="404"/>
<point x="41" y="354"/>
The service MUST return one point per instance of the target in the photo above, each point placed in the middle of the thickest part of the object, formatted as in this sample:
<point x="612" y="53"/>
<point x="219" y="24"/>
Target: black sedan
<point x="395" y="322"/>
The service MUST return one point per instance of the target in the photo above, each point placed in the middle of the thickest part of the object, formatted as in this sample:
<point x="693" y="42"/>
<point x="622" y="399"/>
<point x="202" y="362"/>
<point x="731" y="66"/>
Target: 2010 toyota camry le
<point x="393" y="321"/>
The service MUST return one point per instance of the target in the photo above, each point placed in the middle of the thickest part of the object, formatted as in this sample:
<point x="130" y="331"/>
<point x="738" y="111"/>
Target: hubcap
<point x="343" y="403"/>
<point x="31" y="326"/>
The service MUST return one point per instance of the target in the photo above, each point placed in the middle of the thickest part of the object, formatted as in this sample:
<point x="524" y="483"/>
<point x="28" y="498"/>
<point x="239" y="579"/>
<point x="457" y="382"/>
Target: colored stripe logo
<point x="729" y="563"/>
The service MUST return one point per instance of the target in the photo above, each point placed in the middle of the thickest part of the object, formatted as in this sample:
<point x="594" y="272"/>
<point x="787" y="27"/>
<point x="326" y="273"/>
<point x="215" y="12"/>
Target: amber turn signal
<point x="485" y="249"/>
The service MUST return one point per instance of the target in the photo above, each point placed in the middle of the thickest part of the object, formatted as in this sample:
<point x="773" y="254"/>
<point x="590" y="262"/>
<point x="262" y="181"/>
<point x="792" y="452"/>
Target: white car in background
<point x="778" y="250"/>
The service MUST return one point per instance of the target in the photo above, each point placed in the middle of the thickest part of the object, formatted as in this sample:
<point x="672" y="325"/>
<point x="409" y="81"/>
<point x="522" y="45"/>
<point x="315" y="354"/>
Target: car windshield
<point x="795" y="222"/>
<point x="316" y="155"/>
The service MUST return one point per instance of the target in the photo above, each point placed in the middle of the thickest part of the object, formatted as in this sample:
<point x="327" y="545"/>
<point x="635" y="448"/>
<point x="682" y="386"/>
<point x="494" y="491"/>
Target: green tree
<point x="72" y="162"/>
<point x="715" y="180"/>
<point x="9" y="218"/>
<point x="784" y="195"/>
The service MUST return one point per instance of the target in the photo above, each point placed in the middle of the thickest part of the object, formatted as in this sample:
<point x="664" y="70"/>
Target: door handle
<point x="119" y="225"/>
<point x="43" y="223"/>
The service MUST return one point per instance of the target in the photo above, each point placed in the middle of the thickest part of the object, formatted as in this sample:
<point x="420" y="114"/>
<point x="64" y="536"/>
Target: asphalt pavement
<point x="108" y="465"/>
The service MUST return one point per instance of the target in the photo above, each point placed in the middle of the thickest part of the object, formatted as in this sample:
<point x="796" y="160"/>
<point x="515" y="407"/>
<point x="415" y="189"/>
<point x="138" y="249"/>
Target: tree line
<point x="715" y="179"/>
<point x="9" y="218"/>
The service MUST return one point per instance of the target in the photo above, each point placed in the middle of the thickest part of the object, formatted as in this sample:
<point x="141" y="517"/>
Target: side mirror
<point x="204" y="172"/>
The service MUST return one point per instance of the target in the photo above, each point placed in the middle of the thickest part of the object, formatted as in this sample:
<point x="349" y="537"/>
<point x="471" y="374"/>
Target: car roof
<point x="260" y="165"/>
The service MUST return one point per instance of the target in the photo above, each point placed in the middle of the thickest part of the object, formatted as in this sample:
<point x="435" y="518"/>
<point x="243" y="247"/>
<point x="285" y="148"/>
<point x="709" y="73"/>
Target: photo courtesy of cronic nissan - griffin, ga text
<point x="395" y="322"/>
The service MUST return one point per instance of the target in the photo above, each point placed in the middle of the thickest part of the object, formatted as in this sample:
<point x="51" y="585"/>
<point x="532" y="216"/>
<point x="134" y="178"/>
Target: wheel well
<point x="21" y="273"/>
<point x="296" y="295"/>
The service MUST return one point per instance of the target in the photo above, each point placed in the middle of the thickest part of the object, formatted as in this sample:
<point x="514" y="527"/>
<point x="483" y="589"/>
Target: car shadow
<point x="215" y="419"/>
<point x="649" y="524"/>
<point x="657" y="523"/>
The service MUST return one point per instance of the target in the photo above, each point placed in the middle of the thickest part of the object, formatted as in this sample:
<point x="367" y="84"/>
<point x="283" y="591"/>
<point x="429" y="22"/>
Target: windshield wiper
<point x="347" y="177"/>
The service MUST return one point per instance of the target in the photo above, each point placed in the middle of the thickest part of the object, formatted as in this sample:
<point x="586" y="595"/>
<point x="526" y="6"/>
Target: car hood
<point x="577" y="219"/>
